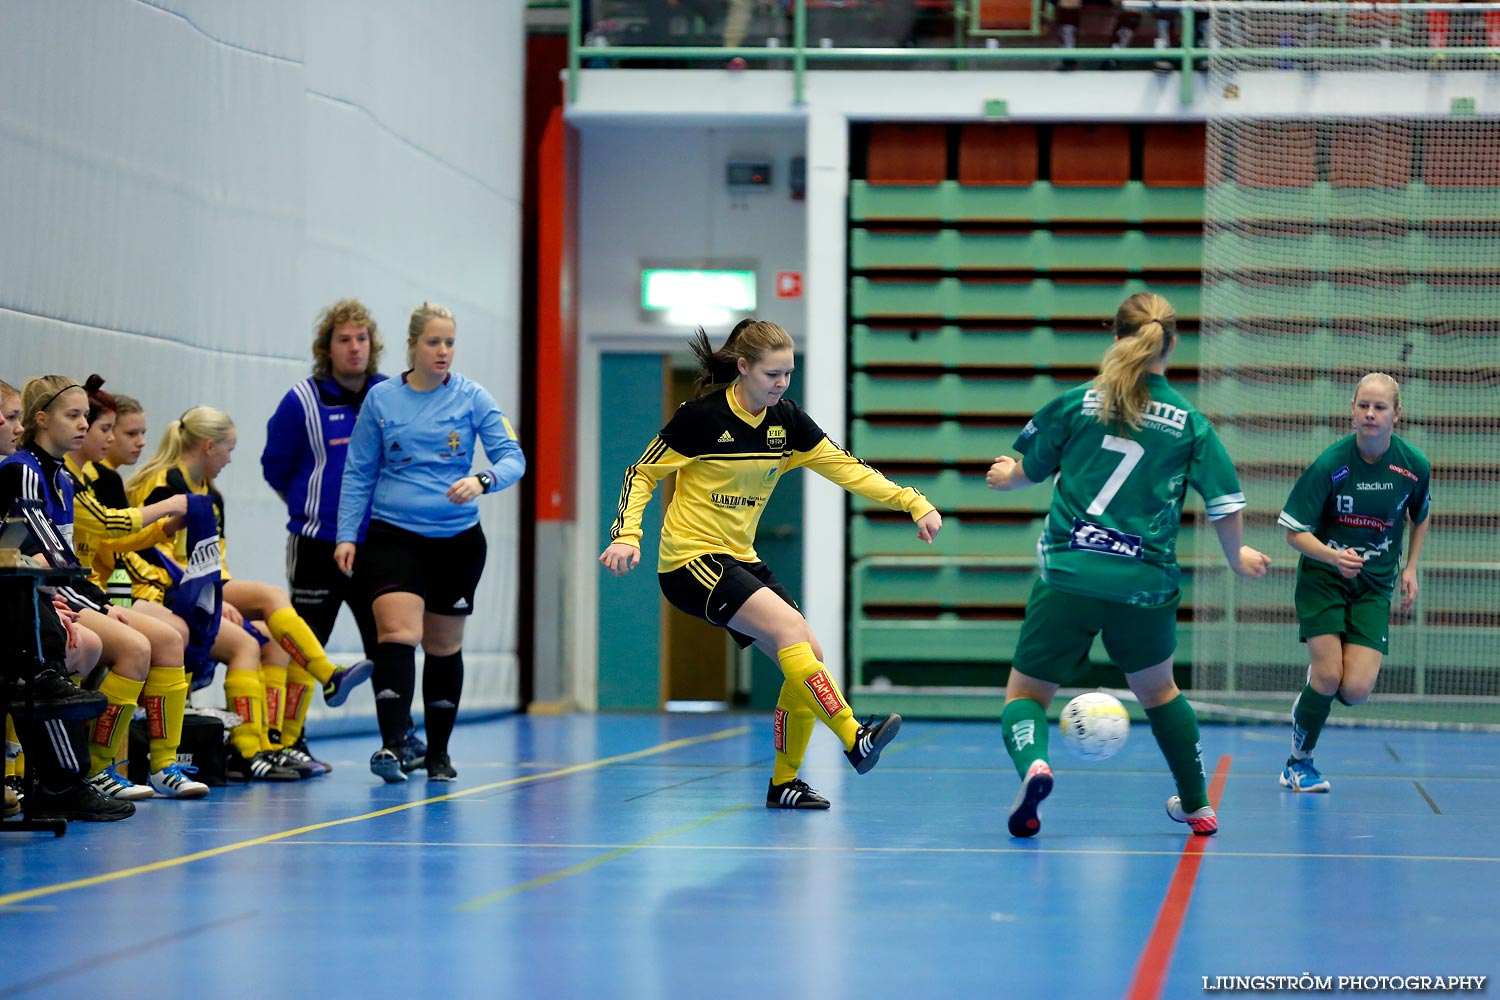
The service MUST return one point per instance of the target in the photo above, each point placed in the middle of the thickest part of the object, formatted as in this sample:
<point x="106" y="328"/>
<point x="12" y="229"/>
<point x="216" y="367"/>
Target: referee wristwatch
<point x="485" y="481"/>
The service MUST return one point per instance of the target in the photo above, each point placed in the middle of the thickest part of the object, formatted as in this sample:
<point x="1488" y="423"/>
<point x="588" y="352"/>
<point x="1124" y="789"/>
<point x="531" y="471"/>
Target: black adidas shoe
<point x="299" y="751"/>
<point x="264" y="766"/>
<point x="294" y="760"/>
<point x="795" y="794"/>
<point x="871" y="740"/>
<point x="440" y="767"/>
<point x="80" y="802"/>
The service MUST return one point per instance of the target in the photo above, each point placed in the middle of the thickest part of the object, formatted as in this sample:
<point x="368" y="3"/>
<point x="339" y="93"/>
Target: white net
<point x="1352" y="224"/>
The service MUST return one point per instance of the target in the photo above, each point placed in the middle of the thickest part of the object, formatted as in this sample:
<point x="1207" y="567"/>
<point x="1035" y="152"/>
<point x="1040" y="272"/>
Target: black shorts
<point x="444" y="572"/>
<point x="714" y="587"/>
<point x="318" y="589"/>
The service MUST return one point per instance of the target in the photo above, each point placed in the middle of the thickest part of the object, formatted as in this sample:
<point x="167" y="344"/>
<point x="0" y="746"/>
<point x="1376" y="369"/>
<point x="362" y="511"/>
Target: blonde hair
<point x="37" y="396"/>
<point x="343" y="311"/>
<point x="1145" y="328"/>
<point x="418" y="322"/>
<point x="6" y="389"/>
<point x="1383" y="379"/>
<point x="187" y="432"/>
<point x="751" y="339"/>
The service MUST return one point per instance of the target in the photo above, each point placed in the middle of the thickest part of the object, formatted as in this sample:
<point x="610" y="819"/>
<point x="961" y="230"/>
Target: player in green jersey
<point x="1346" y="516"/>
<point x="1123" y="448"/>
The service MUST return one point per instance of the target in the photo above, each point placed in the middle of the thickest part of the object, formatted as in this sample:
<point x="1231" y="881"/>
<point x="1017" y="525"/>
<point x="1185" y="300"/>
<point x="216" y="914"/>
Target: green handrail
<point x="801" y="54"/>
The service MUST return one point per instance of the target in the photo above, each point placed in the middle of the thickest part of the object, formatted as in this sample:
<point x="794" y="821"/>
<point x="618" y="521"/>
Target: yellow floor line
<point x="480" y="902"/>
<point x="24" y="895"/>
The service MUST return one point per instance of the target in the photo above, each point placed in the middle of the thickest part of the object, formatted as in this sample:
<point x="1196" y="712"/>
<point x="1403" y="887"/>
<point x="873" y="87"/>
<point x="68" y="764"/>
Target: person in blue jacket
<point x="303" y="461"/>
<point x="408" y="471"/>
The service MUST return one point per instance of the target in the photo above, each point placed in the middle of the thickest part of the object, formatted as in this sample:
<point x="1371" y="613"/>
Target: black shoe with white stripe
<point x="870" y="740"/>
<point x="263" y="766"/>
<point x="795" y="794"/>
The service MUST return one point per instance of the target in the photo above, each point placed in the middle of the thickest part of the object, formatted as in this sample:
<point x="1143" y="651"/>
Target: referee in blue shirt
<point x="408" y="470"/>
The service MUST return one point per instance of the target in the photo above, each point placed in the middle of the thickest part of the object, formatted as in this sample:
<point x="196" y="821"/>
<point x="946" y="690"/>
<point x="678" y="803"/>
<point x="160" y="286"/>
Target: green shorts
<point x="1060" y="627"/>
<point x="1328" y="604"/>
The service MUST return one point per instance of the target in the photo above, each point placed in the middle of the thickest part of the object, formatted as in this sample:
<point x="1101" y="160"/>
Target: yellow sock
<point x="273" y="677"/>
<point x="294" y="636"/>
<point x="299" y="689"/>
<point x="11" y="766"/>
<point x="812" y="686"/>
<point x="108" y="732"/>
<point x="247" y="699"/>
<point x="791" y="731"/>
<point x="165" y="699"/>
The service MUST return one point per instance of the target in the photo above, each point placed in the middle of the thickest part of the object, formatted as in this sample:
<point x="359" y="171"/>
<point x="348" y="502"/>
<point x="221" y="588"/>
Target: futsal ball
<point x="1095" y="725"/>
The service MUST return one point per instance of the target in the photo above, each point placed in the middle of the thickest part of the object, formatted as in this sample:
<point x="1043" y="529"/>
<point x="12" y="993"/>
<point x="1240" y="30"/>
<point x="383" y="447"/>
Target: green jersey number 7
<point x="1131" y="453"/>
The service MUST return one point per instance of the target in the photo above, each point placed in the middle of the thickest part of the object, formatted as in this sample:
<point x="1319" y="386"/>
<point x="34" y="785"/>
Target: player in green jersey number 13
<point x="1123" y="448"/>
<point x="1346" y="515"/>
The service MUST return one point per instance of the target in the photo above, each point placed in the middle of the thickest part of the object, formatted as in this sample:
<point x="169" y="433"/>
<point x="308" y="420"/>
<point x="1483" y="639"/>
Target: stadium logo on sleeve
<point x="1340" y="475"/>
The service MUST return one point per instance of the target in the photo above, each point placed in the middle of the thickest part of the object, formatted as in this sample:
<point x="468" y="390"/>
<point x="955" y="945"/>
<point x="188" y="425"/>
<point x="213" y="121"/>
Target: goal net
<point x="1352" y="224"/>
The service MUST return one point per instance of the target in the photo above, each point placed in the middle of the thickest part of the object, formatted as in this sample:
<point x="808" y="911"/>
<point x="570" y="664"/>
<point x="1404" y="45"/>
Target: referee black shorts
<point x="444" y="572"/>
<point x="715" y="587"/>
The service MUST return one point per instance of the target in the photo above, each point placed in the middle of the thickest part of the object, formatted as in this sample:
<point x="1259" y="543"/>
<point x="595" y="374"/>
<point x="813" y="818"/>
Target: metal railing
<point x="1183" y="57"/>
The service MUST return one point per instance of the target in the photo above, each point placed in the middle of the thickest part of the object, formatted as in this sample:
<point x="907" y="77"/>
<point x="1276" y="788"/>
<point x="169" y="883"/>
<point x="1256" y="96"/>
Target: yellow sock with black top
<point x="296" y="637"/>
<point x="273" y="679"/>
<point x="165" y="700"/>
<point x="791" y="729"/>
<point x="299" y="689"/>
<point x="813" y="687"/>
<point x="107" y="733"/>
<point x="247" y="699"/>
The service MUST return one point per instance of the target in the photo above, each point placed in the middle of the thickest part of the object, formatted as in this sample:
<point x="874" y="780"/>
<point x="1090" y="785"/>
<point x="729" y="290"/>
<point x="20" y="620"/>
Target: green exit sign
<point x="996" y="109"/>
<point x="698" y="289"/>
<point x="1463" y="106"/>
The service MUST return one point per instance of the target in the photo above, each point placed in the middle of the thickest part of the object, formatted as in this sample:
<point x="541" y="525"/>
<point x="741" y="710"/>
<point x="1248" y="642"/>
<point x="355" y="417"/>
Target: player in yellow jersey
<point x="102" y="532"/>
<point x="729" y="448"/>
<point x="194" y="449"/>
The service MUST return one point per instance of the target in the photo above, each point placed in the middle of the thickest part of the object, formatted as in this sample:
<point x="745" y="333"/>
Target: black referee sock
<point x="394" y="681"/>
<point x="442" y="684"/>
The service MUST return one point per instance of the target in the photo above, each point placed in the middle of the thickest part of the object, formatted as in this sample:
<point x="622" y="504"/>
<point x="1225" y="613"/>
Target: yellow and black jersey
<point x="168" y="483"/>
<point x="104" y="528"/>
<point x="727" y="463"/>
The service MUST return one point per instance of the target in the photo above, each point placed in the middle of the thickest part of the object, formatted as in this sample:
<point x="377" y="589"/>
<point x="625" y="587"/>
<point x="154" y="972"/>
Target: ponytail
<point x="201" y="423"/>
<point x="1145" y="329"/>
<point x="751" y="339"/>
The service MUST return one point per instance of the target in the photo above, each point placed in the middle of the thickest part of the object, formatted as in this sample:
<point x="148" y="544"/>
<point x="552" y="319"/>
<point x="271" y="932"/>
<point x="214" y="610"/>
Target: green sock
<point x="1308" y="717"/>
<point x="1175" y="727"/>
<point x="1024" y="723"/>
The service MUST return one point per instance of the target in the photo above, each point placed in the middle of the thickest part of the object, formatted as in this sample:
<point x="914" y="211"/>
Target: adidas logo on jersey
<point x="726" y="438"/>
<point x="460" y="604"/>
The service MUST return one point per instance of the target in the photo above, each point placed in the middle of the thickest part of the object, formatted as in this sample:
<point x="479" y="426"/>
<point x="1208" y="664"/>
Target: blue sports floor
<point x="631" y="857"/>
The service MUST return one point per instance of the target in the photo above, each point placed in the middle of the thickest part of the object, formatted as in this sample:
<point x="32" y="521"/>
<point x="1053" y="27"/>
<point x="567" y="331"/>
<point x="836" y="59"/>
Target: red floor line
<point x="1156" y="958"/>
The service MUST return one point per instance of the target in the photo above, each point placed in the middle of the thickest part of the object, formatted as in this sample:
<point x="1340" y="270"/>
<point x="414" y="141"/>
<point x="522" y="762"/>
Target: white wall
<point x="186" y="183"/>
<point x="650" y="194"/>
